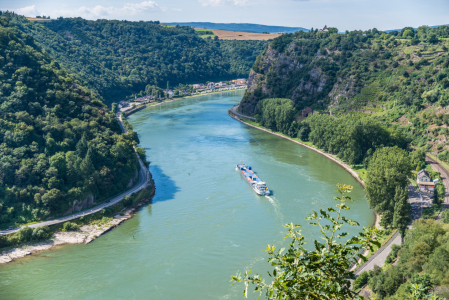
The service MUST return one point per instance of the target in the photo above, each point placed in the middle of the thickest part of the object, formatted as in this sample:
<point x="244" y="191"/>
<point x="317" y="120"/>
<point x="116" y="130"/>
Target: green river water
<point x="204" y="223"/>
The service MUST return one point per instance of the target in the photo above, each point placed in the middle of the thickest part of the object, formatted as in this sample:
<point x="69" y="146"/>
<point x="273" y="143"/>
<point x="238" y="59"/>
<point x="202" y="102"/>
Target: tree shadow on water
<point x="165" y="187"/>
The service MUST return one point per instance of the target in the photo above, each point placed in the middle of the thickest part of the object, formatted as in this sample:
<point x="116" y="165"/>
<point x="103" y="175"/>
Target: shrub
<point x="361" y="281"/>
<point x="41" y="233"/>
<point x="445" y="216"/>
<point x="69" y="226"/>
<point x="24" y="234"/>
<point x="393" y="253"/>
<point x="127" y="201"/>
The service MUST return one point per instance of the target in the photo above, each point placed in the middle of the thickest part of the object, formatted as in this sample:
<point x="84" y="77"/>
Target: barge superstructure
<point x="253" y="180"/>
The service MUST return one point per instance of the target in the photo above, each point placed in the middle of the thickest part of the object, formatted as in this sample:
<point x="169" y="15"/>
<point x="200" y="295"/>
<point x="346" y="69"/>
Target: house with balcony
<point x="424" y="181"/>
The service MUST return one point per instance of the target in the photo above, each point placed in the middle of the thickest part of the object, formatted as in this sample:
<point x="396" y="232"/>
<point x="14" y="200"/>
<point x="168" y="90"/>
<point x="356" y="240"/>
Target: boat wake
<point x="276" y="207"/>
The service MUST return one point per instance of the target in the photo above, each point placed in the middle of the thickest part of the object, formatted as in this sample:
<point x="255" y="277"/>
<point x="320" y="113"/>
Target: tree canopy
<point x="118" y="58"/>
<point x="58" y="141"/>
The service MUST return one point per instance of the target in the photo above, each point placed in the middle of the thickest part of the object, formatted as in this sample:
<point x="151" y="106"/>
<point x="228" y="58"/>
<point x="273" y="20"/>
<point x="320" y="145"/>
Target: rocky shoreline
<point x="85" y="235"/>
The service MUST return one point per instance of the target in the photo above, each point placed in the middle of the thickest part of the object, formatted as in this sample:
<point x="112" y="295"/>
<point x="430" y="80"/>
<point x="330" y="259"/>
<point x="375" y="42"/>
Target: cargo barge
<point x="254" y="182"/>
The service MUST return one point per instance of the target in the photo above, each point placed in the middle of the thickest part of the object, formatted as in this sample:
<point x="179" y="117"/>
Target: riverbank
<point x="329" y="156"/>
<point x="143" y="106"/>
<point x="85" y="235"/>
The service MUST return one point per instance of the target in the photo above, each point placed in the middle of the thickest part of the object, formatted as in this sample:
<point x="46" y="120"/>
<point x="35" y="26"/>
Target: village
<point x="189" y="90"/>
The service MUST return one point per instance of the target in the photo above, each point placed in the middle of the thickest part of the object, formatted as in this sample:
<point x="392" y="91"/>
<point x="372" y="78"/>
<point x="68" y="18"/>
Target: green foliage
<point x="388" y="170"/>
<point x="393" y="253"/>
<point x="24" y="235"/>
<point x="119" y="58"/>
<point x="58" y="143"/>
<point x="321" y="273"/>
<point x="402" y="211"/>
<point x="368" y="72"/>
<point x="423" y="261"/>
<point x="445" y="216"/>
<point x="277" y="114"/>
<point x="70" y="226"/>
<point x="351" y="137"/>
<point x="127" y="201"/>
<point x="304" y="132"/>
<point x="361" y="280"/>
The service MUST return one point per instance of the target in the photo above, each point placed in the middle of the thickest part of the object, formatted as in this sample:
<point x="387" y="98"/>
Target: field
<point x="237" y="35"/>
<point x="205" y="35"/>
<point x="39" y="20"/>
<point x="234" y="35"/>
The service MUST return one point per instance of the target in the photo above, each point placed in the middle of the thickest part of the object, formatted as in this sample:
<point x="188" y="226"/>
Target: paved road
<point x="445" y="176"/>
<point x="380" y="256"/>
<point x="234" y="111"/>
<point x="140" y="185"/>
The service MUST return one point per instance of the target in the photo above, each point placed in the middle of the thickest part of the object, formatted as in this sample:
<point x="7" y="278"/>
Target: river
<point x="204" y="223"/>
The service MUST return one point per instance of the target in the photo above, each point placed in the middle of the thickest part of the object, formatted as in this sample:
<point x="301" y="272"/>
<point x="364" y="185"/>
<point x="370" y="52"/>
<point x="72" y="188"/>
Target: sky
<point x="343" y="14"/>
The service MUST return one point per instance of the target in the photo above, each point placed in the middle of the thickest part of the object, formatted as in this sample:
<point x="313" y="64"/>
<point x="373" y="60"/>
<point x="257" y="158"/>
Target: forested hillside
<point x="58" y="143"/>
<point x="118" y="58"/>
<point x="370" y="98"/>
<point x="400" y="78"/>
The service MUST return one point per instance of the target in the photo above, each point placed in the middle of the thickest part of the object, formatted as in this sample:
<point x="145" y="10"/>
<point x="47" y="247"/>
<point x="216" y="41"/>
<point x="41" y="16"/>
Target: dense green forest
<point x="118" y="58"/>
<point x="58" y="142"/>
<point x="352" y="138"/>
<point x="372" y="97"/>
<point x="422" y="259"/>
<point x="400" y="79"/>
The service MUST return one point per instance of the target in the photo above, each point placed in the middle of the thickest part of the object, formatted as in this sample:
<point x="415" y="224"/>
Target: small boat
<point x="254" y="182"/>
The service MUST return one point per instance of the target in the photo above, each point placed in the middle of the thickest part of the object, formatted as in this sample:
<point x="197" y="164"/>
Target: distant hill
<point x="436" y="26"/>
<point x="246" y="27"/>
<point x="154" y="54"/>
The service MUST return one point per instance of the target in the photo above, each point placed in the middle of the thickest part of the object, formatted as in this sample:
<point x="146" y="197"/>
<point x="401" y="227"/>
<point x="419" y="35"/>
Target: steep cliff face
<point x="289" y="74"/>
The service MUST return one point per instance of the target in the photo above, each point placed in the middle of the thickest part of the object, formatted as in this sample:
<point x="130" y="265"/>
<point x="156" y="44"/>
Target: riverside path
<point x="141" y="184"/>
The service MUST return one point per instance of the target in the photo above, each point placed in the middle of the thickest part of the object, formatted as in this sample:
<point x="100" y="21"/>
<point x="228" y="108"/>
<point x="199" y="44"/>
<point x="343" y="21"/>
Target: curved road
<point x="142" y="183"/>
<point x="234" y="111"/>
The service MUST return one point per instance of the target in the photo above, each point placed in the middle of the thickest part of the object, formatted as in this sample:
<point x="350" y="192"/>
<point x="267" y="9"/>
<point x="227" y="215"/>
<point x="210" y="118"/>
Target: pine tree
<point x="87" y="166"/>
<point x="402" y="211"/>
<point x="72" y="174"/>
<point x="82" y="146"/>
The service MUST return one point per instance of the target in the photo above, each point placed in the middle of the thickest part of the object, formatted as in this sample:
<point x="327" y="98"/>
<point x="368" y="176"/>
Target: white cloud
<point x="99" y="11"/>
<point x="225" y="2"/>
<point x="176" y="9"/>
<point x="28" y="11"/>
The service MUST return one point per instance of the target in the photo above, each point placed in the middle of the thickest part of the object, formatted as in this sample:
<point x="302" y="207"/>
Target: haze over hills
<point x="246" y="27"/>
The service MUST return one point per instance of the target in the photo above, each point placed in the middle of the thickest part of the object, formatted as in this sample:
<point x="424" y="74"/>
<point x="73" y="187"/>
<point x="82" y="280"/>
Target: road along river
<point x="204" y="224"/>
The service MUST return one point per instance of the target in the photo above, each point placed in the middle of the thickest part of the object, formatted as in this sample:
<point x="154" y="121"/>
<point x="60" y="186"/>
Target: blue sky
<point x="343" y="14"/>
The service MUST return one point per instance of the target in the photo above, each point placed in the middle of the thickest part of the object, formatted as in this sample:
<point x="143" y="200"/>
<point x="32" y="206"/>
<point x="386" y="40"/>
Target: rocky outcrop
<point x="316" y="84"/>
<point x="303" y="81"/>
<point x="342" y="88"/>
<point x="79" y="205"/>
<point x="133" y="180"/>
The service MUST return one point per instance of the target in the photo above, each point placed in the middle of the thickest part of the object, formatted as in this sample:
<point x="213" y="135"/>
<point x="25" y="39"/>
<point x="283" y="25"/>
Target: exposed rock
<point x="132" y="180"/>
<point x="79" y="205"/>
<point x="86" y="235"/>
<point x="343" y="88"/>
<point x="282" y="65"/>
